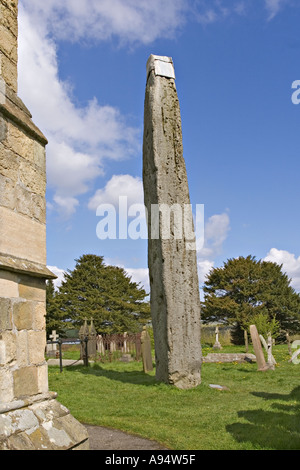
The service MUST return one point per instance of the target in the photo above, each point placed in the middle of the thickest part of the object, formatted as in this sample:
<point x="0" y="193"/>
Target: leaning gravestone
<point x="146" y="351"/>
<point x="30" y="416"/>
<point x="174" y="287"/>
<point x="260" y="358"/>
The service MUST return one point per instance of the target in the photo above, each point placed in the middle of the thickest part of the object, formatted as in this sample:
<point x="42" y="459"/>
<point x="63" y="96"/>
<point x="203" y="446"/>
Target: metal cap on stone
<point x="162" y="66"/>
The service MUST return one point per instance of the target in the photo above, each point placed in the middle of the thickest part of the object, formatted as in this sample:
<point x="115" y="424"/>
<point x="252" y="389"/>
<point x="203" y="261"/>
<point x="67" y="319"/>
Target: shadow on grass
<point x="131" y="377"/>
<point x="278" y="429"/>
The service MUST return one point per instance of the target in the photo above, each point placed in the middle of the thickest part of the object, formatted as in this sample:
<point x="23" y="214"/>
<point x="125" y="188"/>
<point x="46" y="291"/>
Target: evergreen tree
<point x="104" y="293"/>
<point x="244" y="288"/>
<point x="54" y="316"/>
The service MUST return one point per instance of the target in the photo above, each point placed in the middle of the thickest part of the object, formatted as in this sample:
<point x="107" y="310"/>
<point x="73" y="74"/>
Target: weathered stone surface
<point x="25" y="382"/>
<point x="19" y="265"/>
<point x="46" y="425"/>
<point x="5" y="314"/>
<point x="229" y="357"/>
<point x="175" y="300"/>
<point x="9" y="287"/>
<point x="260" y="358"/>
<point x="22" y="237"/>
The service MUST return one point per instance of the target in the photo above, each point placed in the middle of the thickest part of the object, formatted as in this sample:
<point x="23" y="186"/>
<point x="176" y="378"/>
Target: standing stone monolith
<point x="174" y="287"/>
<point x="30" y="416"/>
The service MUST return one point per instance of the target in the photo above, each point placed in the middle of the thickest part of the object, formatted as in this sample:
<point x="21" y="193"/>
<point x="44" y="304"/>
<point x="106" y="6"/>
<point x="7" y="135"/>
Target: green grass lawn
<point x="259" y="411"/>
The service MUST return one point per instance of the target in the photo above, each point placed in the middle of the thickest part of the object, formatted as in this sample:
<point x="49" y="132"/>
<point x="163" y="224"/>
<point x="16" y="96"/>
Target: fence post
<point x="60" y="355"/>
<point x="86" y="356"/>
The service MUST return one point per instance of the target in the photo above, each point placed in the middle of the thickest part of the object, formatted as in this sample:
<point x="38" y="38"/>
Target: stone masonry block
<point x="5" y="314"/>
<point x="6" y="386"/>
<point x="7" y="193"/>
<point x="31" y="288"/>
<point x="3" y="122"/>
<point x="11" y="5"/>
<point x="19" y="142"/>
<point x="42" y="375"/>
<point x="9" y="163"/>
<point x="9" y="72"/>
<point x="36" y="346"/>
<point x="8" y="18"/>
<point x="23" y="314"/>
<point x="22" y="349"/>
<point x="26" y="147"/>
<point x="9" y="44"/>
<point x="22" y="237"/>
<point x="29" y="204"/>
<point x="39" y="316"/>
<point x="9" y="287"/>
<point x="32" y="177"/>
<point x="10" y="340"/>
<point x="25" y="382"/>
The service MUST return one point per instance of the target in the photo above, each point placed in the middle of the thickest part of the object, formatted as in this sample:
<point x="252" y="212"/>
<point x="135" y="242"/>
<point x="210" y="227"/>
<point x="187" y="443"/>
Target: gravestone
<point x="30" y="416"/>
<point x="268" y="347"/>
<point x="52" y="347"/>
<point x="83" y="336"/>
<point x="217" y="344"/>
<point x="229" y="357"/>
<point x="92" y="343"/>
<point x="146" y="351"/>
<point x="174" y="286"/>
<point x="260" y="358"/>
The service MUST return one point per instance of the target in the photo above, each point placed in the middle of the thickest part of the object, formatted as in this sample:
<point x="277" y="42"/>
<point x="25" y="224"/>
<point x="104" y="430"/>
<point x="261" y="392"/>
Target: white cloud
<point x="59" y="273"/>
<point x="215" y="233"/>
<point x="274" y="6"/>
<point x="119" y="185"/>
<point x="140" y="276"/>
<point x="129" y="20"/>
<point x="80" y="139"/>
<point x="290" y="264"/>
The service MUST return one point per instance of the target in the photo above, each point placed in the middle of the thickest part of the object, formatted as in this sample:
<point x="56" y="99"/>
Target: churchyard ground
<point x="260" y="410"/>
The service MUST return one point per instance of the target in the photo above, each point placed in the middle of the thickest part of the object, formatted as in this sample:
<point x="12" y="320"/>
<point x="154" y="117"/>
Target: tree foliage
<point x="54" y="317"/>
<point x="244" y="287"/>
<point x="105" y="293"/>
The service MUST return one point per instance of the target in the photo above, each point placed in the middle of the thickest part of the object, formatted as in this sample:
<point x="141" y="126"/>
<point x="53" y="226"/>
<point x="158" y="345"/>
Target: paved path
<point x="111" y="439"/>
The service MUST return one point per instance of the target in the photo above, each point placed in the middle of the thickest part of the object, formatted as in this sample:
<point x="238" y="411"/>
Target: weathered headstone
<point x="268" y="347"/>
<point x="174" y="287"/>
<point x="260" y="358"/>
<point x="54" y="337"/>
<point x="217" y="344"/>
<point x="146" y="351"/>
<point x="84" y="337"/>
<point x="229" y="357"/>
<point x="51" y="347"/>
<point x="126" y="358"/>
<point x="30" y="416"/>
<point x="92" y="343"/>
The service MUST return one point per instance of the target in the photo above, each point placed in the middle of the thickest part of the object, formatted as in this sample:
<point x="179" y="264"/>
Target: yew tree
<point x="106" y="294"/>
<point x="245" y="287"/>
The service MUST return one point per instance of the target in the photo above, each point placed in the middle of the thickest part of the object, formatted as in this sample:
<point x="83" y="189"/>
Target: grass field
<point x="261" y="410"/>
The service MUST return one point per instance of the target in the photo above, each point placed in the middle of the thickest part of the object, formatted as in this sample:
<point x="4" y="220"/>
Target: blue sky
<point x="82" y="74"/>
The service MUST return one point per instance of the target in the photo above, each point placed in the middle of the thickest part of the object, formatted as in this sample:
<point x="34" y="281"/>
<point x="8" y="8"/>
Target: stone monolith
<point x="30" y="416"/>
<point x="174" y="287"/>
